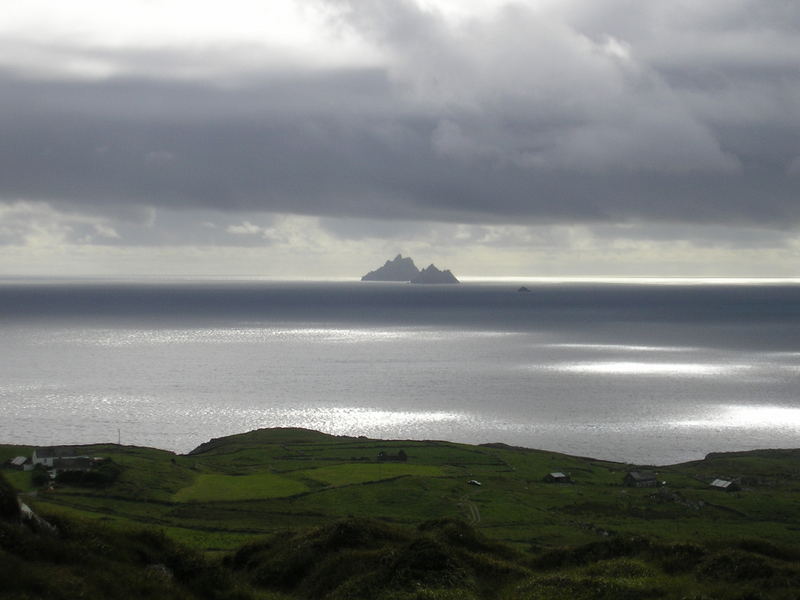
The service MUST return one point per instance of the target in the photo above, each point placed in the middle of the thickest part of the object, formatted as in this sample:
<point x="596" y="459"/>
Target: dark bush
<point x="426" y="561"/>
<point x="678" y="557"/>
<point x="561" y="587"/>
<point x="613" y="548"/>
<point x="101" y="476"/>
<point x="348" y="573"/>
<point x="9" y="505"/>
<point x="285" y="560"/>
<point x="462" y="535"/>
<point x="40" y="477"/>
<point x="734" y="565"/>
<point x="766" y="548"/>
<point x="363" y="558"/>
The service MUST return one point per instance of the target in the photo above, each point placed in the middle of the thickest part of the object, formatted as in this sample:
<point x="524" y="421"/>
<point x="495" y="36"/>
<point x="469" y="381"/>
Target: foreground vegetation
<point x="290" y="513"/>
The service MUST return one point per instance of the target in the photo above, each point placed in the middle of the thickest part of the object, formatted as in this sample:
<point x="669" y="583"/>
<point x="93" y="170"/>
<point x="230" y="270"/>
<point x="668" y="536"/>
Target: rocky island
<point x="433" y="275"/>
<point x="398" y="269"/>
<point x="404" y="269"/>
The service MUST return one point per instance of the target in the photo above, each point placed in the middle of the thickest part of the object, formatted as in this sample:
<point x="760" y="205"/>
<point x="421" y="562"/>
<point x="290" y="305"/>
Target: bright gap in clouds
<point x="137" y="23"/>
<point x="458" y="9"/>
<point x="307" y="28"/>
<point x="94" y="40"/>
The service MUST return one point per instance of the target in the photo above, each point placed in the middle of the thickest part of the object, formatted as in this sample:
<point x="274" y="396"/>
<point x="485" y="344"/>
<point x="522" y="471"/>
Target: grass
<point x="21" y="480"/>
<point x="269" y="501"/>
<point x="264" y="482"/>
<point x="349" y="474"/>
<point x="232" y="488"/>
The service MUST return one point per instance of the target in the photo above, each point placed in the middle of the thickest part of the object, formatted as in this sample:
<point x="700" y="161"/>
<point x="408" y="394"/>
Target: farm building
<point x="725" y="485"/>
<point x="18" y="462"/>
<point x="557" y="477"/>
<point x="386" y="457"/>
<point x="46" y="456"/>
<point x="74" y="463"/>
<point x="641" y="479"/>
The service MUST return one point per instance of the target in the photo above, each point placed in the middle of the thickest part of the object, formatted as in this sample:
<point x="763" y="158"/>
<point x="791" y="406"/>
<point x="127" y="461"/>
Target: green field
<point x="231" y="488"/>
<point x="265" y="480"/>
<point x="235" y="490"/>
<point x="361" y="473"/>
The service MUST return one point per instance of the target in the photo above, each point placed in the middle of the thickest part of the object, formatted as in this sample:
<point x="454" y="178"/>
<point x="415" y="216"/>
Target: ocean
<point x="651" y="372"/>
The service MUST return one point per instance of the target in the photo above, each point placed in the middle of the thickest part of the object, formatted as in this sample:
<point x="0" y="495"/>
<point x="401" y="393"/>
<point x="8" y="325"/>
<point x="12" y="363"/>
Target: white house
<point x="48" y="455"/>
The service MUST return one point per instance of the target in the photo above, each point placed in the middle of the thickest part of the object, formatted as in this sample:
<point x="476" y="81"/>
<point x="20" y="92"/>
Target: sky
<point x="318" y="138"/>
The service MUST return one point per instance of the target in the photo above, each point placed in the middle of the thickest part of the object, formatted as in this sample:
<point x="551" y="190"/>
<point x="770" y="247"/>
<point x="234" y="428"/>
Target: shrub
<point x="678" y="557"/>
<point x="593" y="552"/>
<point x="563" y="587"/>
<point x="462" y="535"/>
<point x="40" y="477"/>
<point x="766" y="548"/>
<point x="620" y="568"/>
<point x="734" y="565"/>
<point x="9" y="505"/>
<point x="101" y="476"/>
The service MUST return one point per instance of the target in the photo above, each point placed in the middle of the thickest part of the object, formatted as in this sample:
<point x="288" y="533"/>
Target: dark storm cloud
<point x="625" y="113"/>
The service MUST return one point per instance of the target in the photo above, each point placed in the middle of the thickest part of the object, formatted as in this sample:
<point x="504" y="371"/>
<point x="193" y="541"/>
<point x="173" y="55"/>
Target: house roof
<point x="18" y="461"/>
<point x="557" y="475"/>
<point x="78" y="463"/>
<point x="721" y="483"/>
<point x="55" y="451"/>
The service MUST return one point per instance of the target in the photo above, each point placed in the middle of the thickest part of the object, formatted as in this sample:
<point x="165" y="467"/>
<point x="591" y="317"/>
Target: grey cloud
<point x="582" y="114"/>
<point x="361" y="229"/>
<point x="701" y="236"/>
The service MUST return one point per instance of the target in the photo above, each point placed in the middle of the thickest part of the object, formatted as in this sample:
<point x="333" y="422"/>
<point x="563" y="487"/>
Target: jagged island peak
<point x="404" y="269"/>
<point x="431" y="274"/>
<point x="398" y="269"/>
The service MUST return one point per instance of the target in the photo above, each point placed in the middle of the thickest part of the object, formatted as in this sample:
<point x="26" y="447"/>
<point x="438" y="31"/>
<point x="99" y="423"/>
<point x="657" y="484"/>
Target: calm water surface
<point x="633" y="372"/>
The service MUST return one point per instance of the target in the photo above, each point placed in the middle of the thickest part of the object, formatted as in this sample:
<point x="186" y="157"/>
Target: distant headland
<point x="404" y="269"/>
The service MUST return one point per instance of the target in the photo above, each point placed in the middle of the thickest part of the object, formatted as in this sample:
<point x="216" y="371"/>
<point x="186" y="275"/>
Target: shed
<point x="641" y="479"/>
<point x="386" y="457"/>
<point x="18" y="462"/>
<point x="725" y="485"/>
<point x="557" y="477"/>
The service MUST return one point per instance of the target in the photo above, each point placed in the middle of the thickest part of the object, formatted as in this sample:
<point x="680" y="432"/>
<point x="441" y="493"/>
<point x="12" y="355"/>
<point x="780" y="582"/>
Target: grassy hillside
<point x="591" y="538"/>
<point x="68" y="558"/>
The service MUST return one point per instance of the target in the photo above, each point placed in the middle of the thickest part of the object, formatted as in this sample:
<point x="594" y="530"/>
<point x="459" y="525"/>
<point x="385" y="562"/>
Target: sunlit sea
<point x="649" y="372"/>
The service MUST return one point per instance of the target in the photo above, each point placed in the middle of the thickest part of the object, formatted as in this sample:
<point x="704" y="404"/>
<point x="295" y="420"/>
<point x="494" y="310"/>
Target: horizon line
<point x="543" y="279"/>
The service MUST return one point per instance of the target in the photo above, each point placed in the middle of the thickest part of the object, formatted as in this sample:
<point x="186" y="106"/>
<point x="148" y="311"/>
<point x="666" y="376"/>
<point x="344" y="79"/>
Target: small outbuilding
<point x="474" y="482"/>
<point x="641" y="479"/>
<point x="725" y="485"/>
<point x="386" y="457"/>
<point x="557" y="477"/>
<point x="18" y="462"/>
